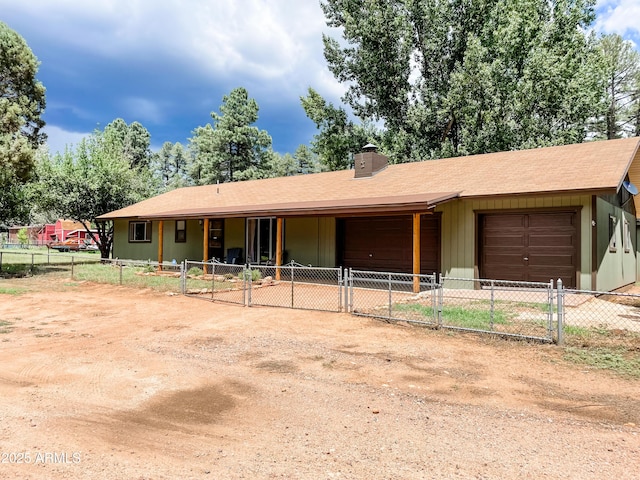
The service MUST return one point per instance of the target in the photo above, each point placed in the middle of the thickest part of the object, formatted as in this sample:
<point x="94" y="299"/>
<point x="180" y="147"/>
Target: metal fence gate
<point x="521" y="309"/>
<point x="289" y="286"/>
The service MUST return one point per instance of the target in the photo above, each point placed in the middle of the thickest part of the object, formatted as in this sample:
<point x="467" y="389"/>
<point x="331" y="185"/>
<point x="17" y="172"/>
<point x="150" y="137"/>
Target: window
<point x="139" y="231"/>
<point x="181" y="231"/>
<point x="627" y="237"/>
<point x="261" y="240"/>
<point x="613" y="240"/>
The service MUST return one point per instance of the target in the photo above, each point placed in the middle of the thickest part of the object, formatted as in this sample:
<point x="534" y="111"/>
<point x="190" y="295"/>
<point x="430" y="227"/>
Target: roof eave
<point x="286" y="210"/>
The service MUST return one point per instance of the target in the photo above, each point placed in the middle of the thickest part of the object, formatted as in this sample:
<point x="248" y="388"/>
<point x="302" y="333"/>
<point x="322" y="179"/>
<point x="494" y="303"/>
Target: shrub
<point x="254" y="275"/>
<point x="194" y="271"/>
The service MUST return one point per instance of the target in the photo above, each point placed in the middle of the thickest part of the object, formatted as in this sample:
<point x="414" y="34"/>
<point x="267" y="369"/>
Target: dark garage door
<point x="533" y="247"/>
<point x="386" y="243"/>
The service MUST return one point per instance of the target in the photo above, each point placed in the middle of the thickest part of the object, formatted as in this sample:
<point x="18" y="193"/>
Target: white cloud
<point x="142" y="109"/>
<point x="618" y="16"/>
<point x="58" y="138"/>
<point x="262" y="41"/>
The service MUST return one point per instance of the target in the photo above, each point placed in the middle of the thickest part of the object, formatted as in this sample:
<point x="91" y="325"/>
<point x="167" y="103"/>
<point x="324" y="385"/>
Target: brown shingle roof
<point x="586" y="167"/>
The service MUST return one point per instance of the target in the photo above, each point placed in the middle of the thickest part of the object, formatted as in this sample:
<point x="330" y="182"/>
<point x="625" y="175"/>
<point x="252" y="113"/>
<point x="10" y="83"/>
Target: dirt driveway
<point x="106" y="382"/>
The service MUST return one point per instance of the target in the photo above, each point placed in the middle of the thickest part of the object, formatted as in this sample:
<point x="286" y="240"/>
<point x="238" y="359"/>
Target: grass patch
<point x="11" y="291"/>
<point x="5" y="327"/>
<point x="476" y="318"/>
<point x="617" y="360"/>
<point x="131" y="276"/>
<point x="460" y="316"/>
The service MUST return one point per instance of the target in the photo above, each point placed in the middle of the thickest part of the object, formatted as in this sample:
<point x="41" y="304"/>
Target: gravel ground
<point x="106" y="382"/>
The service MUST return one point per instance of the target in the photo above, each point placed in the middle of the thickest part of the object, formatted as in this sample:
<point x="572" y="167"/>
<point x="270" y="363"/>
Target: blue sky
<point x="168" y="63"/>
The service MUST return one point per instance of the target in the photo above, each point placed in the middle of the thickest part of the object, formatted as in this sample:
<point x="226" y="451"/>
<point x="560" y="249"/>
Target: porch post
<point x="160" y="243"/>
<point x="205" y="241"/>
<point x="416" y="252"/>
<point x="278" y="246"/>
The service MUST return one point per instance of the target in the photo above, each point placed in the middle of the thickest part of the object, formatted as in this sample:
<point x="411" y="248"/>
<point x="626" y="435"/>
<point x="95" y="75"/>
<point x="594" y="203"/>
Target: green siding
<point x="234" y="236"/>
<point x="615" y="268"/>
<point x="459" y="230"/>
<point x="191" y="249"/>
<point x="311" y="241"/>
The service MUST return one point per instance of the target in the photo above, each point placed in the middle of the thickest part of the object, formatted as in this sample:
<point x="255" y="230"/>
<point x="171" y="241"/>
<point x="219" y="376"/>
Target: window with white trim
<point x="139" y="232"/>
<point x="627" y="237"/>
<point x="613" y="238"/>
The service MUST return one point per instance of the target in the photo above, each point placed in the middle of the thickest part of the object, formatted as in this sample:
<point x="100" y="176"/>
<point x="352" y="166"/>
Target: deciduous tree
<point x="338" y="137"/>
<point x="93" y="179"/>
<point x="463" y="76"/>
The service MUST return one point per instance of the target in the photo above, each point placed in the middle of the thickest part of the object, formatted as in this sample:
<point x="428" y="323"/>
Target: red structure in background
<point x="51" y="232"/>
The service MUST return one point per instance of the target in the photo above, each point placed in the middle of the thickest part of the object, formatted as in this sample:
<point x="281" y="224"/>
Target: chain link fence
<point x="216" y="281"/>
<point x="391" y="296"/>
<point x="520" y="309"/>
<point x="599" y="319"/>
<point x="16" y="263"/>
<point x="540" y="311"/>
<point x="90" y="267"/>
<point x="288" y="286"/>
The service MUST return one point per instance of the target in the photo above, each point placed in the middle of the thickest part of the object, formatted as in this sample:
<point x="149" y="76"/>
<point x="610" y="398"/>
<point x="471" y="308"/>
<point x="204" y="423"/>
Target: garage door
<point x="533" y="247"/>
<point x="386" y="243"/>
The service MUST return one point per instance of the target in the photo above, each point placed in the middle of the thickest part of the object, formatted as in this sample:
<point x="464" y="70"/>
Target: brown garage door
<point x="386" y="243"/>
<point x="532" y="247"/>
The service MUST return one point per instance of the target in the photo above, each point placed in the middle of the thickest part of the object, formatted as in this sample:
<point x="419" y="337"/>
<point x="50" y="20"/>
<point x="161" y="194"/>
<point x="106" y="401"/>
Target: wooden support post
<point x="205" y="243"/>
<point x="160" y="244"/>
<point x="416" y="252"/>
<point x="278" y="246"/>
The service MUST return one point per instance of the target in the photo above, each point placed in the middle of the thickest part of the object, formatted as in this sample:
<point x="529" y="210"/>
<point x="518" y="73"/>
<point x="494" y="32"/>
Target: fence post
<point x="120" y="264"/>
<point x="351" y="282"/>
<point x="440" y="299"/>
<point x="492" y="306"/>
<point x="213" y="279"/>
<point x="278" y="271"/>
<point x="71" y="267"/>
<point x="390" y="299"/>
<point x="434" y="305"/>
<point x="247" y="278"/>
<point x="346" y="280"/>
<point x="0" y="261"/>
<point x="550" y="315"/>
<point x="32" y="262"/>
<point x="339" y="272"/>
<point x="183" y="280"/>
<point x="560" y="339"/>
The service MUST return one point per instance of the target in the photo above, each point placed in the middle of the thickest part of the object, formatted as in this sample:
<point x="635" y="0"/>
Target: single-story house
<point x="564" y="212"/>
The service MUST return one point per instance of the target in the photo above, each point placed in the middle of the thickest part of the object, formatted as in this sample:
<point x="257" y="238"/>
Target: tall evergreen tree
<point x="170" y="165"/>
<point x="232" y="148"/>
<point x="132" y="141"/>
<point x="621" y="65"/>
<point x="22" y="102"/>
